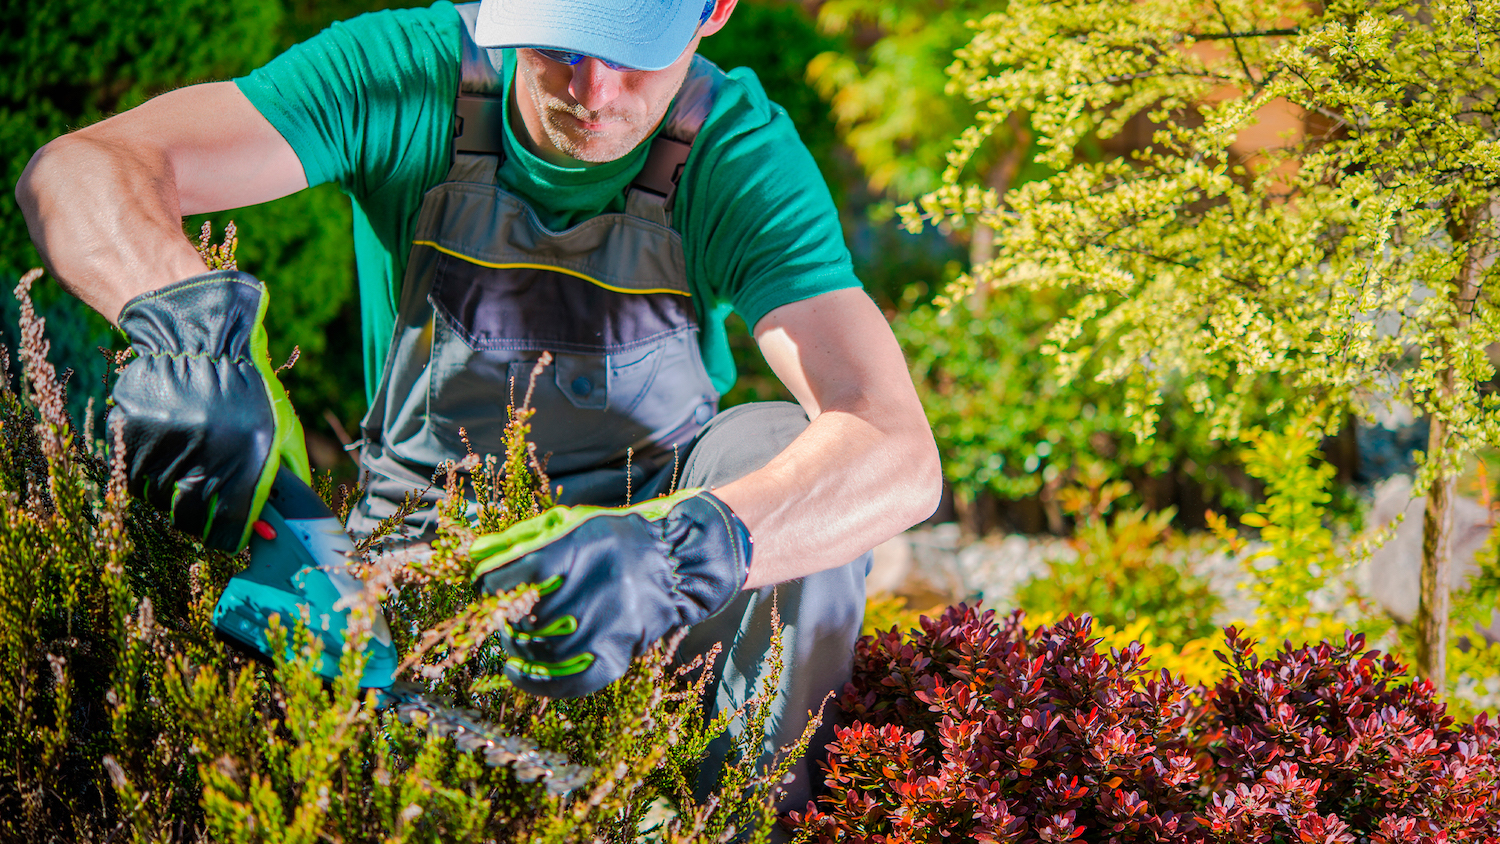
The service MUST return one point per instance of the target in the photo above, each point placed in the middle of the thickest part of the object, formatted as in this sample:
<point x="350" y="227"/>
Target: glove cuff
<point x="713" y="549"/>
<point x="214" y="315"/>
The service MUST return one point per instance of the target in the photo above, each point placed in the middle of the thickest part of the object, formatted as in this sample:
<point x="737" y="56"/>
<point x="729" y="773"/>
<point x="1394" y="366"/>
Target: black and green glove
<point x="612" y="581"/>
<point x="206" y="423"/>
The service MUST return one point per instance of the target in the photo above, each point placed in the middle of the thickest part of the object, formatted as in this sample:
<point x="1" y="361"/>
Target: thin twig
<point x="1235" y="41"/>
<point x="1262" y="33"/>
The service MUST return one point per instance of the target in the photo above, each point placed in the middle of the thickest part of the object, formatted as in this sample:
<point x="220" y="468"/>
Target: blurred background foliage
<point x="75" y="62"/>
<point x="865" y="81"/>
<point x="70" y="63"/>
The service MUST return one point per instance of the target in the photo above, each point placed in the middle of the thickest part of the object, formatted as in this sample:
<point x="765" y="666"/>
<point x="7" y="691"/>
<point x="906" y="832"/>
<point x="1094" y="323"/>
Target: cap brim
<point x="640" y="34"/>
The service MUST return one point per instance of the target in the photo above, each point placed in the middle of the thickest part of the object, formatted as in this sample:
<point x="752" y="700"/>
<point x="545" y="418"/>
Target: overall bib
<point x="488" y="288"/>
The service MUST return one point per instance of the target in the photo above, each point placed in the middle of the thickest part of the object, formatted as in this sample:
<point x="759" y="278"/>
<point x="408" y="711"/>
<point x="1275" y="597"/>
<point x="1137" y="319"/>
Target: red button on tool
<point x="264" y="530"/>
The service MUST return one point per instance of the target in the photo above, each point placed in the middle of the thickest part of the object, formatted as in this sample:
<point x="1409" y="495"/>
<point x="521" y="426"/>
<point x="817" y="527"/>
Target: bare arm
<point x="104" y="205"/>
<point x="864" y="470"/>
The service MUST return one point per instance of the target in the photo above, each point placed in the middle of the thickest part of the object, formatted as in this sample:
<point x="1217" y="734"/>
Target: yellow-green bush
<point x="1128" y="566"/>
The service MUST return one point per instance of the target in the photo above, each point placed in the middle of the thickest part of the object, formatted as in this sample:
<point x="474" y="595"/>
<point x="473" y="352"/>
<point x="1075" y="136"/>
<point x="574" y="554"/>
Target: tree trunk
<point x="1437" y="519"/>
<point x="1437" y="547"/>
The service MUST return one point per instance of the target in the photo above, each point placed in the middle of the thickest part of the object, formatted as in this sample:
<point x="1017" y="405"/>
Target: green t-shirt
<point x="368" y="104"/>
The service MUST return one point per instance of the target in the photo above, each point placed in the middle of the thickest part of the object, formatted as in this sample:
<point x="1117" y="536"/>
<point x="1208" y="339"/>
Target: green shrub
<point x="75" y="62"/>
<point x="1011" y="423"/>
<point x="1128" y="567"/>
<point x="1299" y="577"/>
<point x="125" y="719"/>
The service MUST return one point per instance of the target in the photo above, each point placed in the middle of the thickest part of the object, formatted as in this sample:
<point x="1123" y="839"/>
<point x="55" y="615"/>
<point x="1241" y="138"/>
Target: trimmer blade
<point x="474" y="735"/>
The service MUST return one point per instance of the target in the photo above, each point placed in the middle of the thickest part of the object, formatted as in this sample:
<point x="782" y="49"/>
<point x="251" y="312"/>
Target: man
<point x="528" y="176"/>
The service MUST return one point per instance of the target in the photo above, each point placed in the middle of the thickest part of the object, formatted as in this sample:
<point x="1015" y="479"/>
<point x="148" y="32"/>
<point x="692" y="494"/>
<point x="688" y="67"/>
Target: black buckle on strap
<point x="664" y="163"/>
<point x="478" y="127"/>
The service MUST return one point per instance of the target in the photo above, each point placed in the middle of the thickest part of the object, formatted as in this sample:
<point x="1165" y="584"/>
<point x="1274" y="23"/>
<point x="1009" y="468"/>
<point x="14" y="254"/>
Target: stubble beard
<point x="625" y="130"/>
<point x="573" y="140"/>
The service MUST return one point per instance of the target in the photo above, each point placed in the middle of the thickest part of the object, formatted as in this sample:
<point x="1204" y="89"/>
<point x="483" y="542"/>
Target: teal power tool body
<point x="300" y="560"/>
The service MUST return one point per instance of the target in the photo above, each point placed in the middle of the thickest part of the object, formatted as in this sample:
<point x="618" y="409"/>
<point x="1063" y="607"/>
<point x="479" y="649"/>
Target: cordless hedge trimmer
<point x="210" y="438"/>
<point x="300" y="569"/>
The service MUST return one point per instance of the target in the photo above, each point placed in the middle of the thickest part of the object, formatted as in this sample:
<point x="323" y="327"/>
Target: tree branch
<point x="1238" y="54"/>
<point x="1263" y="33"/>
<point x="1147" y="74"/>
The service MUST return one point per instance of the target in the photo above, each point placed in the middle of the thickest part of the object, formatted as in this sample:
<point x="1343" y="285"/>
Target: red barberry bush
<point x="976" y="729"/>
<point x="1334" y="743"/>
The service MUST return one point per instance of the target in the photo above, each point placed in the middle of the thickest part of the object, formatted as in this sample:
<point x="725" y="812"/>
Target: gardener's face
<point x="588" y="112"/>
<point x="592" y="113"/>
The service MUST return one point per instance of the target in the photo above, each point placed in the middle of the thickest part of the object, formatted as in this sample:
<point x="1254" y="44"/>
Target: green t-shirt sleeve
<point x="368" y="104"/>
<point x="346" y="99"/>
<point x="761" y="229"/>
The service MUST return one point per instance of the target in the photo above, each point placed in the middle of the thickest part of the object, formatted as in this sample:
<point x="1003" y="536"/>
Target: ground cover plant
<point x="127" y="720"/>
<point x="977" y="728"/>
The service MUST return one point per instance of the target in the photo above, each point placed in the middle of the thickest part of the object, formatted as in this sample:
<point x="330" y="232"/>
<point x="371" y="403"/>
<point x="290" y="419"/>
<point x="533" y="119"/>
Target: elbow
<point x="931" y="481"/>
<point x="32" y="193"/>
<point x="44" y="187"/>
<point x="48" y="167"/>
<point x="925" y="478"/>
<point x="28" y="186"/>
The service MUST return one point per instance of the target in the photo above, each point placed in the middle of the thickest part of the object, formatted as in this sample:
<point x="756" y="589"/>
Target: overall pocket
<point x="619" y="374"/>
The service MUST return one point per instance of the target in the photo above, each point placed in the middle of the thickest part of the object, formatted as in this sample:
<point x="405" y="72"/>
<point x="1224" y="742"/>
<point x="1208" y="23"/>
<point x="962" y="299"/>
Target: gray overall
<point x="488" y="288"/>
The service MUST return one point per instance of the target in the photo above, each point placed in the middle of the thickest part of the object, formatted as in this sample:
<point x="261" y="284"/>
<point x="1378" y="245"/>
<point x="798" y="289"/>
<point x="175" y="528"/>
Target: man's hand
<point x="612" y="581"/>
<point x="206" y="423"/>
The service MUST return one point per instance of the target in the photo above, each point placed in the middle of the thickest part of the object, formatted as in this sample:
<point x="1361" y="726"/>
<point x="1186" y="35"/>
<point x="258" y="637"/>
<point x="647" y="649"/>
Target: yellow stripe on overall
<point x="565" y="271"/>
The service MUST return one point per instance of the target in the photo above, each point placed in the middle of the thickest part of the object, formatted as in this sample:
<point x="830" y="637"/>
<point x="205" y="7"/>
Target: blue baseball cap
<point x="640" y="34"/>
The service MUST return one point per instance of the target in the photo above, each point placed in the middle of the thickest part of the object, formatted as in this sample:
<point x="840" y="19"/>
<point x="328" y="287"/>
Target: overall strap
<point x="654" y="191"/>
<point x="478" y="110"/>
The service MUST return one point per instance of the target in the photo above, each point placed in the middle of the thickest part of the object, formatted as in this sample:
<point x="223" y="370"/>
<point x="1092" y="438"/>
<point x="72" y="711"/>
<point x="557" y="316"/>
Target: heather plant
<point x="128" y="720"/>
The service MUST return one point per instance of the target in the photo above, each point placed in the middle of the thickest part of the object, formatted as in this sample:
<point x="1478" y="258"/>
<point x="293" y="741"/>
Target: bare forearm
<point x="842" y="487"/>
<point x="104" y="205"/>
<point x="106" y="220"/>
<point x="864" y="470"/>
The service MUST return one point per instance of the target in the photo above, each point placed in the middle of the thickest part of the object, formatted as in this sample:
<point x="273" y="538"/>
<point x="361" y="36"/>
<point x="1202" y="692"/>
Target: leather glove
<point x="612" y="581"/>
<point x="206" y="423"/>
